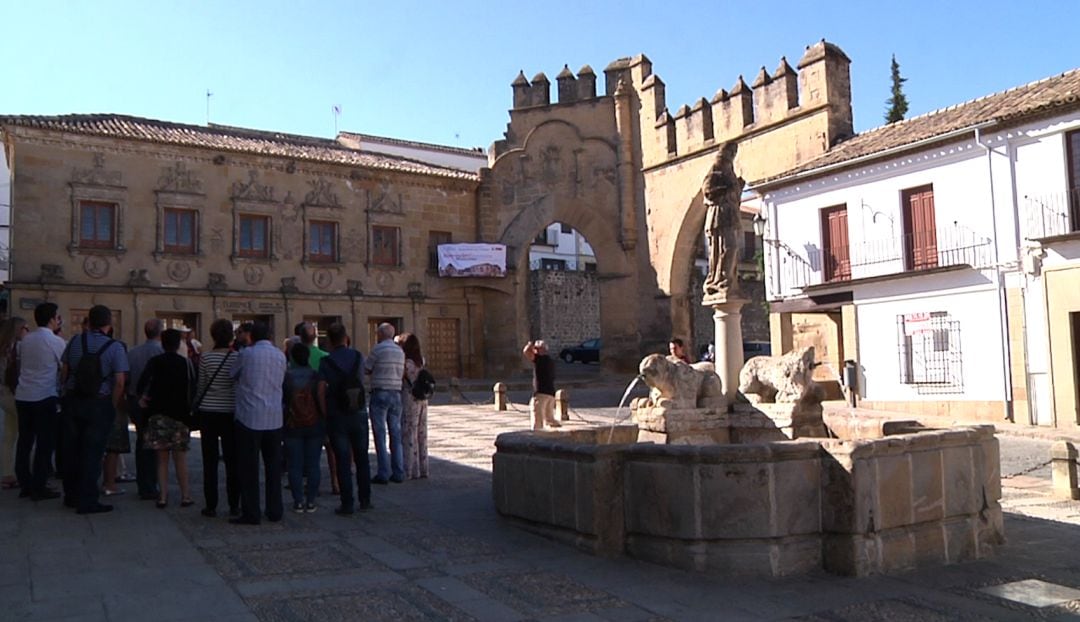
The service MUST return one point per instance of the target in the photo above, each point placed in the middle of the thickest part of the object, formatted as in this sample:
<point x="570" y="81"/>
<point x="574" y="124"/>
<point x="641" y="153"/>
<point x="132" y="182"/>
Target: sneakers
<point x="310" y="507"/>
<point x="298" y="507"/>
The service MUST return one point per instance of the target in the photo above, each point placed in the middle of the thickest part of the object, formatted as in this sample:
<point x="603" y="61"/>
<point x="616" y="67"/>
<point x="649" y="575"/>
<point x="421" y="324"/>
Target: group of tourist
<point x="251" y="400"/>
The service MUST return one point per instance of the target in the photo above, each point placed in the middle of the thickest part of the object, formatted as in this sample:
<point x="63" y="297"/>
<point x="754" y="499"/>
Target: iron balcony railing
<point x="1052" y="213"/>
<point x="811" y="265"/>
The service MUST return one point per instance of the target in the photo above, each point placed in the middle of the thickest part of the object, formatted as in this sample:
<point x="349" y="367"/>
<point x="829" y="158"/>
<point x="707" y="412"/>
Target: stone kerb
<point x="903" y="501"/>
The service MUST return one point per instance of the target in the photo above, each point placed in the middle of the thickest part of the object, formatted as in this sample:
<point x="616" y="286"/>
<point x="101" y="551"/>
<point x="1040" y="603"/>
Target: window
<point x="254" y="236"/>
<point x="322" y="241"/>
<point x="97" y="224"/>
<point x="920" y="229"/>
<point x="385" y="249"/>
<point x="749" y="248"/>
<point x="179" y="231"/>
<point x="834" y="243"/>
<point x="1072" y="143"/>
<point x="930" y="356"/>
<point x="565" y="228"/>
<point x="552" y="264"/>
<point x="435" y="238"/>
<point x="590" y="266"/>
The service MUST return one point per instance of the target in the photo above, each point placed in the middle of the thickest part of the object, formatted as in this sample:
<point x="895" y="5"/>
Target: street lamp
<point x="759" y="225"/>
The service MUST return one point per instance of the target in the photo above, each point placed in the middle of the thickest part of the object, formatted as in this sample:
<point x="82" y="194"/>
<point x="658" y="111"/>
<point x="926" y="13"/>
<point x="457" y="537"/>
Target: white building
<point x="941" y="254"/>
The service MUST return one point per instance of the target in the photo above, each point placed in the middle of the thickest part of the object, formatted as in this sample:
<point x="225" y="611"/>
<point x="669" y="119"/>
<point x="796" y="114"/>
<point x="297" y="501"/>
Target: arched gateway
<point x="627" y="173"/>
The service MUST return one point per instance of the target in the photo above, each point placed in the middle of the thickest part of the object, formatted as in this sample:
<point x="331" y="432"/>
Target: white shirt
<point x="40" y="353"/>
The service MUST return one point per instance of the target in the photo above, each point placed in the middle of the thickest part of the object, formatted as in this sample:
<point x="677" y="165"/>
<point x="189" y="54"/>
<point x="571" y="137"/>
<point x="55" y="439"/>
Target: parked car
<point x="751" y="349"/>
<point x="587" y="351"/>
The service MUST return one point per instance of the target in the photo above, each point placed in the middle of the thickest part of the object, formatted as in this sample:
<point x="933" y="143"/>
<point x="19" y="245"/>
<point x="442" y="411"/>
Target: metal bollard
<point x="1063" y="462"/>
<point x="500" y="396"/>
<point x="562" y="405"/>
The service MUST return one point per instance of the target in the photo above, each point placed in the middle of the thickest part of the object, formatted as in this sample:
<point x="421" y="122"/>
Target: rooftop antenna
<point x="208" y="96"/>
<point x="336" y="110"/>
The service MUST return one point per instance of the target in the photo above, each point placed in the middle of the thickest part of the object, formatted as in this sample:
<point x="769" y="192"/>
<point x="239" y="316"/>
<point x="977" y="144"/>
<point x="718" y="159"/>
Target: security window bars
<point x="179" y="231"/>
<point x="322" y="241"/>
<point x="254" y="236"/>
<point x="930" y="356"/>
<point x="97" y="224"/>
<point x="435" y="238"/>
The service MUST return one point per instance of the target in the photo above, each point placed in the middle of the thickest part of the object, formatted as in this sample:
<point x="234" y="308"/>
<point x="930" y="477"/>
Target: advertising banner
<point x="483" y="260"/>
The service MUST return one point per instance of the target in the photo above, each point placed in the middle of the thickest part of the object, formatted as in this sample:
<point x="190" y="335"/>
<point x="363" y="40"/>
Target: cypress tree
<point x="898" y="103"/>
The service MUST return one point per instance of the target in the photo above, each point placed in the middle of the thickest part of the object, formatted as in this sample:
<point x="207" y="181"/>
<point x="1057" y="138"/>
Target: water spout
<point x="616" y="419"/>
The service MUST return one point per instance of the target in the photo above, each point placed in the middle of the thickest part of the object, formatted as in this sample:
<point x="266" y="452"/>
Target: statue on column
<point x="723" y="196"/>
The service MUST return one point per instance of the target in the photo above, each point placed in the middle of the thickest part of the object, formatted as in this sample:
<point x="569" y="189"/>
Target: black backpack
<point x="424" y="387"/>
<point x="88" y="376"/>
<point x="349" y="395"/>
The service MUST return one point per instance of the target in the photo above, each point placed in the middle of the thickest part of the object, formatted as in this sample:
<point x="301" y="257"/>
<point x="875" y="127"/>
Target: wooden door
<point x="443" y="348"/>
<point x="834" y="241"/>
<point x="920" y="229"/>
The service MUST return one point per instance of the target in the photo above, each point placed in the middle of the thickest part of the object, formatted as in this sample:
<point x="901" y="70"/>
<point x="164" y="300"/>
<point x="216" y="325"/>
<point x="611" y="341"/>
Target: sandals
<point x="9" y="484"/>
<point x="162" y="504"/>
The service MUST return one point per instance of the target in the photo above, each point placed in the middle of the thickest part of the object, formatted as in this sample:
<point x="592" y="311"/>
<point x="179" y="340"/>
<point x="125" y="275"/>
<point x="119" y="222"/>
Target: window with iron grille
<point x="552" y="264"/>
<point x="930" y="356"/>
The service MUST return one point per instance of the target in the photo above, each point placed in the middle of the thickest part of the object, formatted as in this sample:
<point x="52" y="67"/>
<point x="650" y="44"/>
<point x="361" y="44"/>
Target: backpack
<point x="349" y="396"/>
<point x="304" y="410"/>
<point x="424" y="387"/>
<point x="88" y="376"/>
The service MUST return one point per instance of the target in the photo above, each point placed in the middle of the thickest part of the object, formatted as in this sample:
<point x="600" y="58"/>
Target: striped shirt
<point x="218" y="397"/>
<point x="386" y="364"/>
<point x="259" y="373"/>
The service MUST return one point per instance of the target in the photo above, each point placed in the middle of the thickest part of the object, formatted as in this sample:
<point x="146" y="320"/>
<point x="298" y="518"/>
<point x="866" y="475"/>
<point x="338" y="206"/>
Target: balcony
<point x="1050" y="214"/>
<point x="799" y="268"/>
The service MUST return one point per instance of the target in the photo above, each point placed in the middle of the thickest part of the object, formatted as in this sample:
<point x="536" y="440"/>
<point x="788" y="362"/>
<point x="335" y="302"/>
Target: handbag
<point x="194" y="417"/>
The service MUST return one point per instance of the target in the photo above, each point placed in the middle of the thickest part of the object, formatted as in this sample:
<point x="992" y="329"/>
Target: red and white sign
<point x="915" y="323"/>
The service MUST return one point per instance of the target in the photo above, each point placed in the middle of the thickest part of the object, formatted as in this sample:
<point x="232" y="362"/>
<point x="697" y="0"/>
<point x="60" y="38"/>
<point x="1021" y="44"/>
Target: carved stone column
<point x="727" y="323"/>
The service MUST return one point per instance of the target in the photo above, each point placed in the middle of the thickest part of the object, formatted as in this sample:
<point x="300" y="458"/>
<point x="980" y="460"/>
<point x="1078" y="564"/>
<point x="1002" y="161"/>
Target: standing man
<point x="36" y="400"/>
<point x="386" y="365"/>
<point x="145" y="458"/>
<point x="259" y="374"/>
<point x="542" y="404"/>
<point x="308" y="338"/>
<point x="243" y="336"/>
<point x="96" y="398"/>
<point x="347" y="426"/>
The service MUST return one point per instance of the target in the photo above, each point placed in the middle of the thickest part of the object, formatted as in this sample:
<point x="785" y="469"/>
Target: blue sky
<point x="439" y="71"/>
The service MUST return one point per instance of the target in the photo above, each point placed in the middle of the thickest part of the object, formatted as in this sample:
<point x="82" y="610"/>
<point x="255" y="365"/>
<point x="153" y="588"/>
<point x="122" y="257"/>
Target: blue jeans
<point x="349" y="438"/>
<point x="386" y="413"/>
<point x="304" y="450"/>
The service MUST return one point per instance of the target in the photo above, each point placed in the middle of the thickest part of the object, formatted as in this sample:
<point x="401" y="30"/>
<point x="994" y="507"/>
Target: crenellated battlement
<point x="571" y="88"/>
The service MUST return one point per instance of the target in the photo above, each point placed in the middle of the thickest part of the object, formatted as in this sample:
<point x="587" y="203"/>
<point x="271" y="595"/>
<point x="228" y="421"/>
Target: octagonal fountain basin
<point x="854" y="506"/>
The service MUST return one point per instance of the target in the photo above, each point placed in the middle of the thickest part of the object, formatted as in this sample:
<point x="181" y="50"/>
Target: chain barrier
<point x="1028" y="470"/>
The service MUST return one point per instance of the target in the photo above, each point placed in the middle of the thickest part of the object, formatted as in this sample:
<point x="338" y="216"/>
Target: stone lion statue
<point x="787" y="378"/>
<point x="676" y="385"/>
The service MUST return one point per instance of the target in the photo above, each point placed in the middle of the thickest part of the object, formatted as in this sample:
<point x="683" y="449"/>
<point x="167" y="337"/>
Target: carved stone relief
<point x="289" y="211"/>
<point x="322" y="278"/>
<point x="52" y="273"/>
<point x="96" y="267"/>
<point x="252" y="189"/>
<point x="138" y="278"/>
<point x="96" y="175"/>
<point x="384" y="280"/>
<point x="350" y="245"/>
<point x="253" y="275"/>
<point x="217" y="240"/>
<point x="321" y="194"/>
<point x="179" y="271"/>
<point x="288" y="285"/>
<point x="384" y="200"/>
<point x="177" y="178"/>
<point x="216" y="281"/>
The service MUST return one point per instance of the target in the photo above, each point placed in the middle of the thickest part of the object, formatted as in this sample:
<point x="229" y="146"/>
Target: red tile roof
<point x="231" y="139"/>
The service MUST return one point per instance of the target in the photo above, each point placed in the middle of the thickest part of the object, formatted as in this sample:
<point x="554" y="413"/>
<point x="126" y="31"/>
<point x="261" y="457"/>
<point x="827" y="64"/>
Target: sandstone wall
<point x="564" y="307"/>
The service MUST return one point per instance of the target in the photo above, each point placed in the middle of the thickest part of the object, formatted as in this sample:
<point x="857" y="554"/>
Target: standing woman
<point x="12" y="330"/>
<point x="165" y="387"/>
<point x="216" y="404"/>
<point x="414" y="411"/>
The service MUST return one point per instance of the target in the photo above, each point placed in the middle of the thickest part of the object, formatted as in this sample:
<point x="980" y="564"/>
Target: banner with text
<point x="485" y="260"/>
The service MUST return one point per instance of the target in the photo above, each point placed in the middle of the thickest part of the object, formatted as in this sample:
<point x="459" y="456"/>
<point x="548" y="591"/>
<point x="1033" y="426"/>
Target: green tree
<point x="897" y="104"/>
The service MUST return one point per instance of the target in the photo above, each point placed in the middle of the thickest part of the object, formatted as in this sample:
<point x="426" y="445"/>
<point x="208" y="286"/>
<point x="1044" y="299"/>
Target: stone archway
<point x="560" y="174"/>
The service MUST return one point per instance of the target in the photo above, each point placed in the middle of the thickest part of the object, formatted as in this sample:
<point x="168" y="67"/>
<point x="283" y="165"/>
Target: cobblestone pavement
<point x="434" y="549"/>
